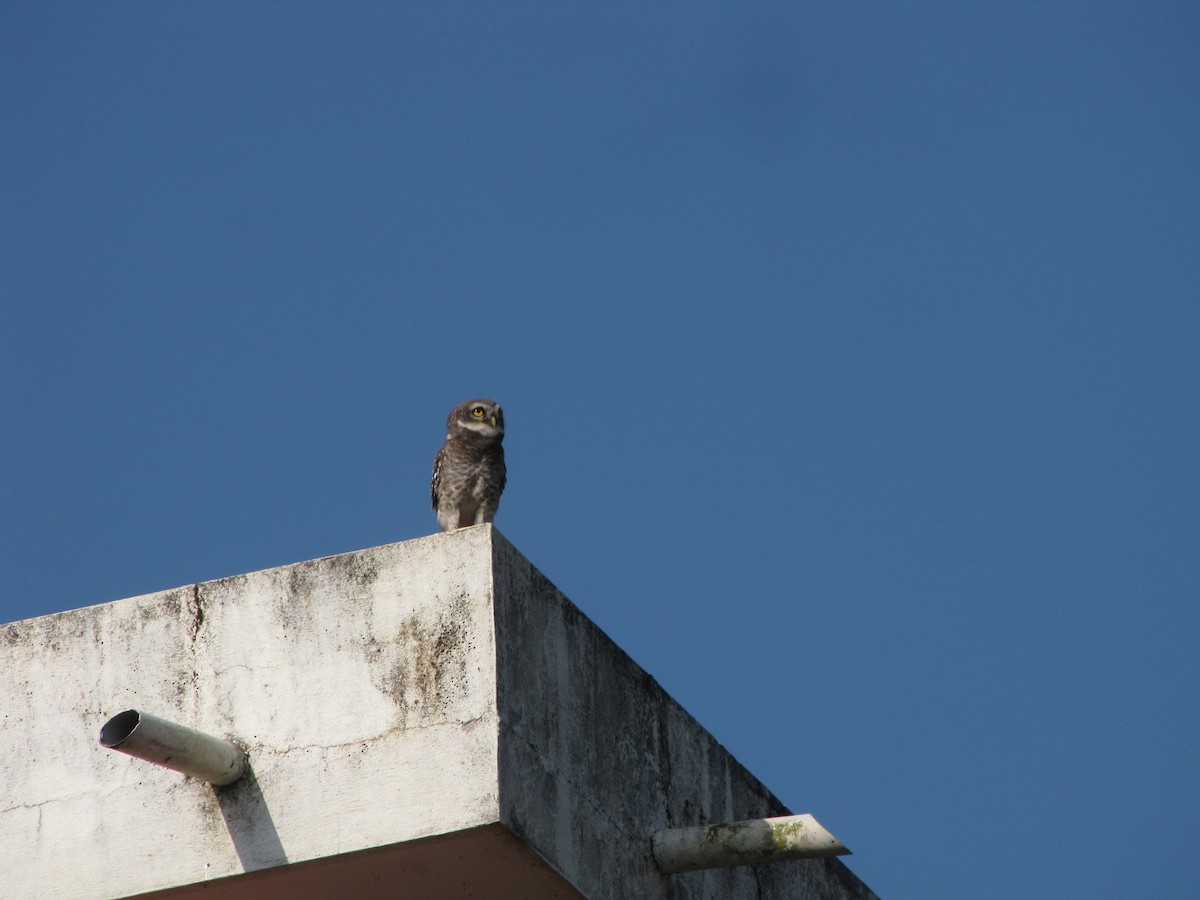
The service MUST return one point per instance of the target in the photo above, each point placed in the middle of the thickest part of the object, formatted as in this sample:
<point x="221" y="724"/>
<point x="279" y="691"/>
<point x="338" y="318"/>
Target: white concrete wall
<point x="362" y="686"/>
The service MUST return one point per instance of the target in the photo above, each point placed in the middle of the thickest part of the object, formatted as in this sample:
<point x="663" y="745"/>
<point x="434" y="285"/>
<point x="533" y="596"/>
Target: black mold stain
<point x="429" y="672"/>
<point x="197" y="613"/>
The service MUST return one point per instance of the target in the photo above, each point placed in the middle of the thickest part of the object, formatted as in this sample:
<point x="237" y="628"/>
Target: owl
<point x="468" y="472"/>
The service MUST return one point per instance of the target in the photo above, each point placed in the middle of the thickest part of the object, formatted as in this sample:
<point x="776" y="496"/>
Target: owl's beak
<point x="493" y="421"/>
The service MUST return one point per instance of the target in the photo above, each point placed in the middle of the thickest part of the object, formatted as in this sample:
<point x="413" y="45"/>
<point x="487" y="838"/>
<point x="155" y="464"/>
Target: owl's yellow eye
<point x="477" y="412"/>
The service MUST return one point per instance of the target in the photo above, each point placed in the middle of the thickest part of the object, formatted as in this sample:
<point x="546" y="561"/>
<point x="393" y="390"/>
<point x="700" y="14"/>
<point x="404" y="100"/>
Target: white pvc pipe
<point x="743" y="843"/>
<point x="175" y="746"/>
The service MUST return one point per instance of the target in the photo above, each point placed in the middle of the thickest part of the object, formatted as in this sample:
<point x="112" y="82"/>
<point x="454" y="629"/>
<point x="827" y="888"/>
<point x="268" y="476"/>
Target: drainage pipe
<point x="175" y="746"/>
<point x="743" y="843"/>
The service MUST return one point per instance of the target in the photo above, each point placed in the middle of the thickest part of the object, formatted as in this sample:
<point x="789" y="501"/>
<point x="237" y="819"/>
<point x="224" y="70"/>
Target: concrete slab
<point x="432" y="716"/>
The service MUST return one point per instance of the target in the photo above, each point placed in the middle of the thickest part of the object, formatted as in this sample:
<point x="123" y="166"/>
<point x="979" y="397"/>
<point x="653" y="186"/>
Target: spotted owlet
<point x="468" y="472"/>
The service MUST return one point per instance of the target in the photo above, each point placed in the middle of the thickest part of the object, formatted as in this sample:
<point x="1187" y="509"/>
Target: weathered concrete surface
<point x="596" y="757"/>
<point x="431" y="716"/>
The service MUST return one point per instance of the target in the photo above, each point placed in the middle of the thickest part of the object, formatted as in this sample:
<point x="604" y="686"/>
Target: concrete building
<point x="428" y="719"/>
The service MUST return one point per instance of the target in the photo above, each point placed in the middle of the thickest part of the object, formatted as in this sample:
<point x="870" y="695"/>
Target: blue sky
<point x="848" y="355"/>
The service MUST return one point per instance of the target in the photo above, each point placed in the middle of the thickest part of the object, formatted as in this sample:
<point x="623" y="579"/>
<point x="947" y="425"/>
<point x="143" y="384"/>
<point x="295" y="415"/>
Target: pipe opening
<point x="117" y="729"/>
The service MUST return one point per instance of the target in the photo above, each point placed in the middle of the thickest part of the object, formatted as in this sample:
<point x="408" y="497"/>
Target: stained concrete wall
<point x="440" y="686"/>
<point x="596" y="756"/>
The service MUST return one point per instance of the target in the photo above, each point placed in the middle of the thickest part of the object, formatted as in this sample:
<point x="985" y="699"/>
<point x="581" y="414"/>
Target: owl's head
<point x="484" y="418"/>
